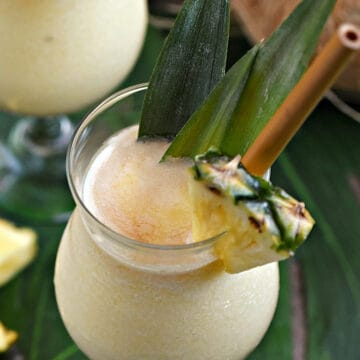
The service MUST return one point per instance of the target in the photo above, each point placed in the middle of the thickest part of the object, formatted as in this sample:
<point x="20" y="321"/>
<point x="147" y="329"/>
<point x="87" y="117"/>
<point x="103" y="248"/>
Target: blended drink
<point x="59" y="56"/>
<point x="162" y="296"/>
<point x="176" y="259"/>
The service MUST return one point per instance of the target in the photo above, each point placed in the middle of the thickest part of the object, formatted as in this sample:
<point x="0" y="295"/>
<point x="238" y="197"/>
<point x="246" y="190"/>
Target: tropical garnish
<point x="17" y="249"/>
<point x="190" y="64"/>
<point x="247" y="97"/>
<point x="258" y="222"/>
<point x="7" y="338"/>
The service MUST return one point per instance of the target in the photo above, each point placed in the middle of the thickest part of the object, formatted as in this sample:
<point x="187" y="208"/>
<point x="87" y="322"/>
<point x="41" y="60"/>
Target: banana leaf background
<point x="318" y="315"/>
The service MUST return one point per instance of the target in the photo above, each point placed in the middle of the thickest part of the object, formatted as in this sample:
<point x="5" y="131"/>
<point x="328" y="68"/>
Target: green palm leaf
<point x="253" y="98"/>
<point x="190" y="64"/>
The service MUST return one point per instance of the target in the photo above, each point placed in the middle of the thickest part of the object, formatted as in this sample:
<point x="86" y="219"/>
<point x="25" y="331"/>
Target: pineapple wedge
<point x="17" y="248"/>
<point x="259" y="223"/>
<point x="7" y="338"/>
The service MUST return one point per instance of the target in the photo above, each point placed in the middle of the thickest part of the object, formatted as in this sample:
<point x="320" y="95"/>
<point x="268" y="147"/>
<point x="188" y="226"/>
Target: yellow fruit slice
<point x="7" y="338"/>
<point x="17" y="249"/>
<point x="242" y="246"/>
<point x="259" y="222"/>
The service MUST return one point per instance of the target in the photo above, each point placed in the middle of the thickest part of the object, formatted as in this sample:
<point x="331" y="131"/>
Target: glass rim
<point x="70" y="169"/>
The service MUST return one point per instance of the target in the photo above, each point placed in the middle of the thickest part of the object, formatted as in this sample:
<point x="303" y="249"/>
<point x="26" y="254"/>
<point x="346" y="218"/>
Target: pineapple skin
<point x="258" y="222"/>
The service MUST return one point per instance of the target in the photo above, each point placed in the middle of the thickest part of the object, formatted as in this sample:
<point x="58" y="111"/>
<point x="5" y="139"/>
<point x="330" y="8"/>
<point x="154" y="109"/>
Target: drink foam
<point x="128" y="190"/>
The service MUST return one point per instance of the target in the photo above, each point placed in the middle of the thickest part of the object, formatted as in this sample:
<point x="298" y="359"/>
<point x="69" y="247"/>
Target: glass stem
<point x="40" y="145"/>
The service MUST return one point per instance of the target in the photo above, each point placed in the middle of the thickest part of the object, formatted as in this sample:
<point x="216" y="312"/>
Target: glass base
<point x="33" y="186"/>
<point x="32" y="200"/>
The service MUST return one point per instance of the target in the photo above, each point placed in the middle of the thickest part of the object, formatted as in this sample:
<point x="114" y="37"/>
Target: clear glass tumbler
<point x="124" y="299"/>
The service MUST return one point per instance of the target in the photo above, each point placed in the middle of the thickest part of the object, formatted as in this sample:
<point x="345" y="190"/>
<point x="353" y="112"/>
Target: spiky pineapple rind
<point x="228" y="178"/>
<point x="296" y="225"/>
<point x="212" y="169"/>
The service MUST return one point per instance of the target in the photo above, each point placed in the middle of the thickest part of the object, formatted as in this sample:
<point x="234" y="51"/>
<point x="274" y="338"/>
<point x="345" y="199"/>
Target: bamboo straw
<point x="302" y="99"/>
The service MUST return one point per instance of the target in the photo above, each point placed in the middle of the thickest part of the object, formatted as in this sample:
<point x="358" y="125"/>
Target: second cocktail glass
<point x="57" y="57"/>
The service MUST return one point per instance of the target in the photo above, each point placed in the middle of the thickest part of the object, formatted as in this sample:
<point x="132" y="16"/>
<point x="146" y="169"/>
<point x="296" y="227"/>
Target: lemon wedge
<point x="7" y="338"/>
<point x="17" y="249"/>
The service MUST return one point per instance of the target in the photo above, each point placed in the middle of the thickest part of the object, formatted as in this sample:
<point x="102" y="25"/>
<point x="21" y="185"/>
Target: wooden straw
<point x="302" y="99"/>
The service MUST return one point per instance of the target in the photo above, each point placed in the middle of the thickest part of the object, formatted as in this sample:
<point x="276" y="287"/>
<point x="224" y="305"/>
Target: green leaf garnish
<point x="190" y="64"/>
<point x="244" y="101"/>
<point x="208" y="126"/>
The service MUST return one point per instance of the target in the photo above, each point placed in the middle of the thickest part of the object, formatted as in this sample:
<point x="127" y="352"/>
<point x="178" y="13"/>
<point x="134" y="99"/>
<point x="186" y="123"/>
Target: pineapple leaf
<point x="254" y="95"/>
<point x="190" y="64"/>
<point x="207" y="127"/>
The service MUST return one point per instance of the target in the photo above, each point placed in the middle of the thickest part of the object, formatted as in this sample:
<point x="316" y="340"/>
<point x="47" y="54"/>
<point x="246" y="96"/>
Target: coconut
<point x="260" y="17"/>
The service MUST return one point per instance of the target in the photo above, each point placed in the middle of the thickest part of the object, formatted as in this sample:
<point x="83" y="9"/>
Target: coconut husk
<point x="260" y="17"/>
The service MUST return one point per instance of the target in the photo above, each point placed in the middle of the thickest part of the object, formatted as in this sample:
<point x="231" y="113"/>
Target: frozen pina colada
<point x="59" y="56"/>
<point x="116" y="308"/>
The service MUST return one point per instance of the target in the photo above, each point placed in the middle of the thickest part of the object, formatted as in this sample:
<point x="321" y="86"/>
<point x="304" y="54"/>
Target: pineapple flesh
<point x="18" y="247"/>
<point x="258" y="223"/>
<point x="7" y="338"/>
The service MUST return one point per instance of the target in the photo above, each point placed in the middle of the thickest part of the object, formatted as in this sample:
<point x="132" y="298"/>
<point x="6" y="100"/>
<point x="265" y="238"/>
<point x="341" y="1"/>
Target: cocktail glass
<point x="124" y="299"/>
<point x="57" y="57"/>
